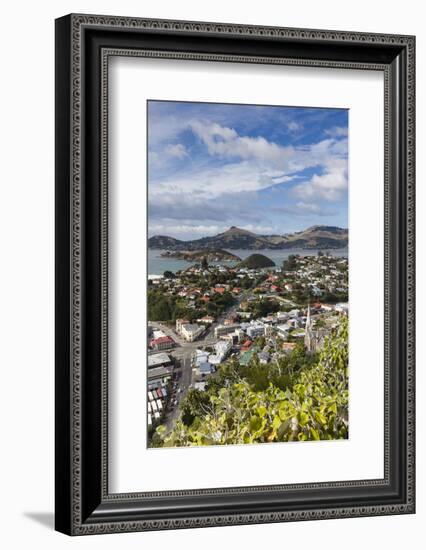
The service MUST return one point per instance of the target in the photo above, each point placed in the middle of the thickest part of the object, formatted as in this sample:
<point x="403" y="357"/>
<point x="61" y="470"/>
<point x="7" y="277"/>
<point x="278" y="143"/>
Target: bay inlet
<point x="157" y="264"/>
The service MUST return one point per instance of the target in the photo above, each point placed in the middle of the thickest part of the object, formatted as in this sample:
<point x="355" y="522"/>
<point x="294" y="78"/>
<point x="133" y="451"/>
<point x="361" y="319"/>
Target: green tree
<point x="319" y="323"/>
<point x="290" y="264"/>
<point x="160" y="308"/>
<point x="261" y="308"/>
<point x="195" y="404"/>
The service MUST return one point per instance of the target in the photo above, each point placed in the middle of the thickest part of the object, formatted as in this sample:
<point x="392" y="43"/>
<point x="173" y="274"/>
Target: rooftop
<point x="159" y="372"/>
<point x="245" y="358"/>
<point x="206" y="368"/>
<point x="158" y="359"/>
<point x="160" y="340"/>
<point x="190" y="327"/>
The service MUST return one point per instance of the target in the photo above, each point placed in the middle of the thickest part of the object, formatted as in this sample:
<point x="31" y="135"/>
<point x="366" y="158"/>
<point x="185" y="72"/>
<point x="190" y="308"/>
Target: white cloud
<point x="283" y="179"/>
<point x="330" y="185"/>
<point x="185" y="229"/>
<point x="259" y="229"/>
<point x="251" y="164"/>
<point x="337" y="131"/>
<point x="308" y="207"/>
<point x="164" y="129"/>
<point x="293" y="126"/>
<point x="176" y="150"/>
<point x="171" y="152"/>
<point x="226" y="143"/>
<point x="212" y="182"/>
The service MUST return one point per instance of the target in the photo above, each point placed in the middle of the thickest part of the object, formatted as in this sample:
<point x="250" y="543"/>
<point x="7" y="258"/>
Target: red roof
<point x="288" y="345"/>
<point x="219" y="289"/>
<point x="161" y="340"/>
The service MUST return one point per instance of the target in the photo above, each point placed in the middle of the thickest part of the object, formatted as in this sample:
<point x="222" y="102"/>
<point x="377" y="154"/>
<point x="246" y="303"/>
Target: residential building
<point x="208" y="319"/>
<point x="191" y="331"/>
<point x="159" y="360"/>
<point x="222" y="348"/>
<point x="234" y="337"/>
<point x="246" y="357"/>
<point x="199" y="357"/>
<point x="288" y="346"/>
<point x="204" y="369"/>
<point x="255" y="330"/>
<point x="222" y="330"/>
<point x="268" y="330"/>
<point x="342" y="308"/>
<point x="219" y="289"/>
<point x="281" y="316"/>
<point x="283" y="331"/>
<point x="161" y="343"/>
<point x="264" y="357"/>
<point x="159" y="375"/>
<point x="179" y="324"/>
<point x="294" y="313"/>
<point x="246" y="346"/>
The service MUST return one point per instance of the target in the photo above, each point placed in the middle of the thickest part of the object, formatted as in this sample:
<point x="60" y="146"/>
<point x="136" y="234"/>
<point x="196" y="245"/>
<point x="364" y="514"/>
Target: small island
<point x="210" y="255"/>
<point x="256" y="261"/>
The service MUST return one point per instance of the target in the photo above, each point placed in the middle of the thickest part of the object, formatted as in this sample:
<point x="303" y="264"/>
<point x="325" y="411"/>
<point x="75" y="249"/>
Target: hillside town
<point x="203" y="316"/>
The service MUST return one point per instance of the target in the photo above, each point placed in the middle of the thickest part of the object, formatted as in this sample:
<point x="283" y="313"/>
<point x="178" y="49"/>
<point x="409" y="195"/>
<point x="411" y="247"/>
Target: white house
<point x="191" y="331"/>
<point x="255" y="330"/>
<point x="283" y="331"/>
<point x="199" y="357"/>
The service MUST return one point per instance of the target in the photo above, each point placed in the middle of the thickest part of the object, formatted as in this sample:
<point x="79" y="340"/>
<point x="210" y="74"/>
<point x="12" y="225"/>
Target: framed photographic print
<point x="234" y="274"/>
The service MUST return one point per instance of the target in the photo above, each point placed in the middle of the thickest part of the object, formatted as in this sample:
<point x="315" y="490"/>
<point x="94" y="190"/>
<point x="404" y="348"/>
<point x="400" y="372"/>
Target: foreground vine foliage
<point x="299" y="398"/>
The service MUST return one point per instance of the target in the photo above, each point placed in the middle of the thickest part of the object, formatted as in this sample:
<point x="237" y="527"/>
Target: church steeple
<point x="308" y="330"/>
<point x="308" y="316"/>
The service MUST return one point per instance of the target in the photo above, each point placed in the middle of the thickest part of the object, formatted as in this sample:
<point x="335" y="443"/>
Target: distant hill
<point x="234" y="238"/>
<point x="163" y="242"/>
<point x="197" y="255"/>
<point x="318" y="236"/>
<point x="256" y="261"/>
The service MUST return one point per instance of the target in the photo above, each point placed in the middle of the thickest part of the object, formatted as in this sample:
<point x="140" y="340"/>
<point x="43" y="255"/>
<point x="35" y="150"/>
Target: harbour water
<point x="157" y="264"/>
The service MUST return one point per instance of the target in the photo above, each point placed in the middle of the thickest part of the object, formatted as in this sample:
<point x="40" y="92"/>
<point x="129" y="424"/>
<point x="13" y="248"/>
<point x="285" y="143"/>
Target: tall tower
<point x="308" y="330"/>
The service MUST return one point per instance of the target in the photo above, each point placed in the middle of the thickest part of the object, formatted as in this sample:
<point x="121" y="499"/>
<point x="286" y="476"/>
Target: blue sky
<point x="271" y="170"/>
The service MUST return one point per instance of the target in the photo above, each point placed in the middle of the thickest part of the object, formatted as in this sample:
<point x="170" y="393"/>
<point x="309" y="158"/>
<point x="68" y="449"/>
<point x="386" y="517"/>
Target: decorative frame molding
<point x="84" y="43"/>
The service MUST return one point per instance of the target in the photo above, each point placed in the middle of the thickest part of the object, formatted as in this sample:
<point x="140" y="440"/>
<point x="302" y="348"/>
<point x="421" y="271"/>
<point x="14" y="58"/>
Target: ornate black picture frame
<point x="83" y="45"/>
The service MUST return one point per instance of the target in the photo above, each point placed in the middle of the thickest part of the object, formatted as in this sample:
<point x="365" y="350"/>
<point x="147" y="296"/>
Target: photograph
<point x="234" y="273"/>
<point x="247" y="274"/>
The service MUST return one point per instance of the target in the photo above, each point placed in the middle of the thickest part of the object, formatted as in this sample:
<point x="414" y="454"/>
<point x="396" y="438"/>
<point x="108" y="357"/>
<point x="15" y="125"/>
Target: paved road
<point x="184" y="384"/>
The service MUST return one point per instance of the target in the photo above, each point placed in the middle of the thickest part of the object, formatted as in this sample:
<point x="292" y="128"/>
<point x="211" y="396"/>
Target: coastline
<point x="157" y="264"/>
